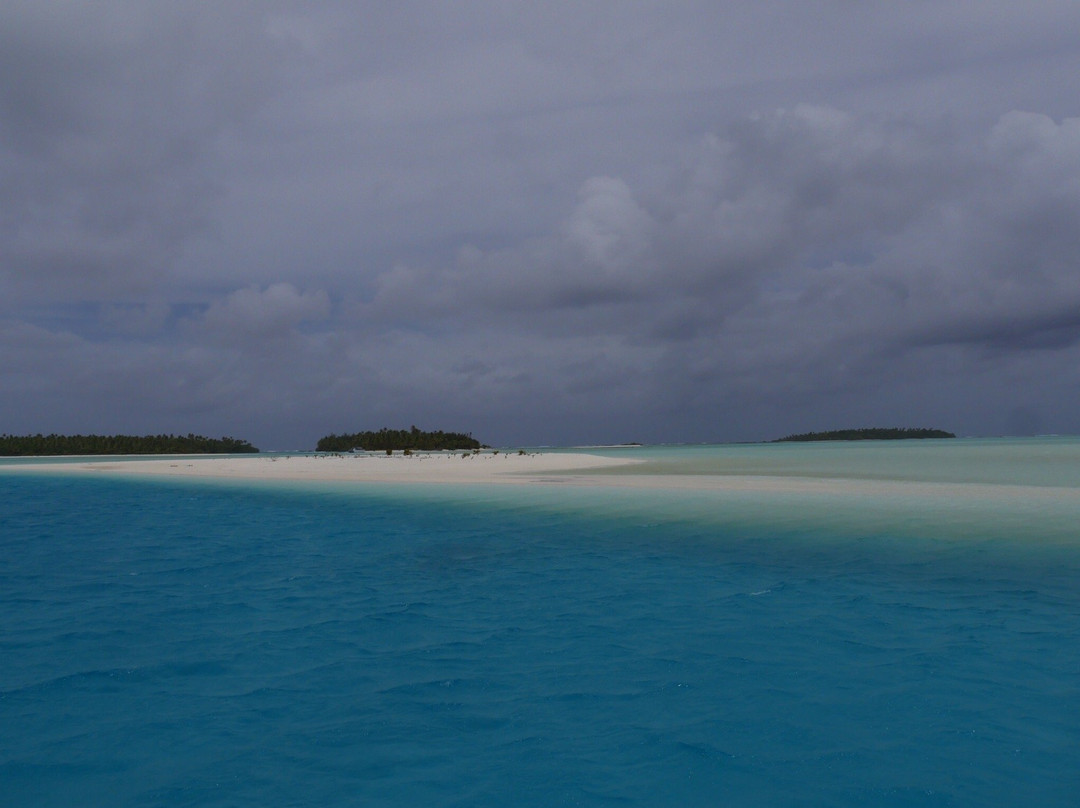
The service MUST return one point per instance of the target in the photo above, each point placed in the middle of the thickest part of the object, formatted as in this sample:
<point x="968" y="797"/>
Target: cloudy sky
<point x="557" y="222"/>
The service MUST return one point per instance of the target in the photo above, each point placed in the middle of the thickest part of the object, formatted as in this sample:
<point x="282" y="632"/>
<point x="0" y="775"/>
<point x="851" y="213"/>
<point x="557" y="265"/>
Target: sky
<point x="595" y="221"/>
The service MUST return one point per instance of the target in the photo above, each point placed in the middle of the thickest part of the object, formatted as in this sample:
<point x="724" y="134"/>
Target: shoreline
<point x="420" y="467"/>
<point x="572" y="469"/>
<point x="839" y="505"/>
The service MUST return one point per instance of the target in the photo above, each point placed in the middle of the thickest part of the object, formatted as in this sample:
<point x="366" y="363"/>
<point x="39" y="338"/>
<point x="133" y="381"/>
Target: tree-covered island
<point x="413" y="439"/>
<point x="41" y="445"/>
<point x="867" y="434"/>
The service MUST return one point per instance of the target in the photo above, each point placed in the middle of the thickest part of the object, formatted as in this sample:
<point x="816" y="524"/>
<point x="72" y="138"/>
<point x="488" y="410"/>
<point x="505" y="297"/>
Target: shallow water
<point x="1050" y="461"/>
<point x="192" y="643"/>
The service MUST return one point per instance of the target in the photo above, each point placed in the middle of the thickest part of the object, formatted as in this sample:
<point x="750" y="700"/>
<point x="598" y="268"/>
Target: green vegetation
<point x="25" y="445"/>
<point x="389" y="439"/>
<point x="868" y="434"/>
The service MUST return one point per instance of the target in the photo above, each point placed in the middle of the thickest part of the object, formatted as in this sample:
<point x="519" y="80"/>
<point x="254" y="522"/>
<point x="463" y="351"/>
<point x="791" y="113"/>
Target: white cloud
<point x="609" y="227"/>
<point x="269" y="313"/>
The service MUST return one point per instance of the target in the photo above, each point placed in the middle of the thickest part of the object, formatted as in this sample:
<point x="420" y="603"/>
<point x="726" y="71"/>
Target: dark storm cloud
<point x="110" y="120"/>
<point x="576" y="221"/>
<point x="853" y="221"/>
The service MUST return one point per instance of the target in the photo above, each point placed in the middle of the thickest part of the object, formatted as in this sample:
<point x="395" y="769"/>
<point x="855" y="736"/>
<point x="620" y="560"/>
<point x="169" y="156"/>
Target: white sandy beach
<point x="533" y="468"/>
<point x="422" y="467"/>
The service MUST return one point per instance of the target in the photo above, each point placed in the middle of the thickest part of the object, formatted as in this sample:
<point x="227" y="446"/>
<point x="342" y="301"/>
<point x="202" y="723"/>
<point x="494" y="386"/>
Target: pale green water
<point x="1016" y="489"/>
<point x="1024" y="490"/>
<point x="1051" y="461"/>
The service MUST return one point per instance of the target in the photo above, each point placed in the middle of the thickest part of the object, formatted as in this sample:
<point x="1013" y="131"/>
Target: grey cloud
<point x="771" y="216"/>
<point x="136" y="319"/>
<point x="260" y="314"/>
<point x="674" y="220"/>
<point x="1045" y="329"/>
<point x="111" y="129"/>
<point x="757" y="304"/>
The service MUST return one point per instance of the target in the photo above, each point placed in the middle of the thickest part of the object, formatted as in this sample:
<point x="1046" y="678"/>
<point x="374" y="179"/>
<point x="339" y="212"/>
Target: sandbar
<point x="533" y="468"/>
<point x="421" y="467"/>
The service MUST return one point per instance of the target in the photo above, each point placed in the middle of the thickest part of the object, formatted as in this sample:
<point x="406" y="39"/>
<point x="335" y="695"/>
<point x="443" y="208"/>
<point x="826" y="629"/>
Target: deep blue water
<point x="220" y="645"/>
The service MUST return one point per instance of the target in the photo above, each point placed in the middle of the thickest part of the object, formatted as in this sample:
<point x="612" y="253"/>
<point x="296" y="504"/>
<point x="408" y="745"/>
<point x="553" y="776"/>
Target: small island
<point x="50" y="445"/>
<point x="867" y="434"/>
<point x="385" y="439"/>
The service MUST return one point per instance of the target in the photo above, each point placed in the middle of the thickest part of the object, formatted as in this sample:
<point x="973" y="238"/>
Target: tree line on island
<point x="400" y="439"/>
<point x="27" y="445"/>
<point x="383" y="440"/>
<point x="867" y="434"/>
<point x="412" y="439"/>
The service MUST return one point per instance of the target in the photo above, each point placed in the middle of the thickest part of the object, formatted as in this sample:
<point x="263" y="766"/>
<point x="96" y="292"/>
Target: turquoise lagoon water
<point x="912" y="642"/>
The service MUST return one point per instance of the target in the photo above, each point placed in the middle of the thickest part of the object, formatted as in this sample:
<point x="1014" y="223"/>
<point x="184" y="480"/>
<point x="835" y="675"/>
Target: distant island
<point x="28" y="445"/>
<point x="389" y="439"/>
<point x="867" y="434"/>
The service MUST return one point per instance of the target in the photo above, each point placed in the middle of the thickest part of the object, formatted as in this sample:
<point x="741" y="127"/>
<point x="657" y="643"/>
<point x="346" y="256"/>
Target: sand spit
<point x="421" y="467"/>
<point x="550" y="469"/>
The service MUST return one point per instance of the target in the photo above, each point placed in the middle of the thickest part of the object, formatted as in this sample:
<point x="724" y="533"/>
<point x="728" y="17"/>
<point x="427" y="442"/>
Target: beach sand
<point x="839" y="504"/>
<point x="487" y="467"/>
<point x="421" y="467"/>
<point x="532" y="468"/>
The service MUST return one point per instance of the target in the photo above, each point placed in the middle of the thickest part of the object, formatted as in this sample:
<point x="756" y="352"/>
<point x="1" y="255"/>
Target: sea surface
<point x="911" y="640"/>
